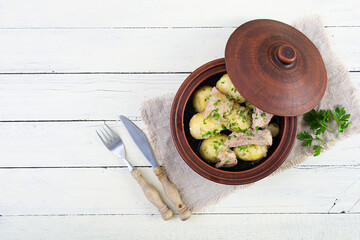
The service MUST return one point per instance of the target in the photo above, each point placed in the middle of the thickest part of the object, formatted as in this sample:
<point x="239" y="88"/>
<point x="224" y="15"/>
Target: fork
<point x="115" y="145"/>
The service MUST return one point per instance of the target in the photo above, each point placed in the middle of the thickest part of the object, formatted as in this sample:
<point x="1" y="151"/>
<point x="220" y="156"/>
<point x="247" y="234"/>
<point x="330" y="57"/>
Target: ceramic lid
<point x="275" y="67"/>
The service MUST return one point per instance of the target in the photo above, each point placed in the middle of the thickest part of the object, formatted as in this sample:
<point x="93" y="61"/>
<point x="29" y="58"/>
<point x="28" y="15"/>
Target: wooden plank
<point x="114" y="191"/>
<point x="254" y="226"/>
<point x="349" y="198"/>
<point x="75" y="144"/>
<point x="132" y="50"/>
<point x="84" y="96"/>
<point x="108" y="13"/>
<point x="62" y="144"/>
<point x="81" y="97"/>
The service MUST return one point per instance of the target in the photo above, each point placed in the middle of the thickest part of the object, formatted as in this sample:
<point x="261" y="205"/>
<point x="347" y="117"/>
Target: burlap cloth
<point x="198" y="192"/>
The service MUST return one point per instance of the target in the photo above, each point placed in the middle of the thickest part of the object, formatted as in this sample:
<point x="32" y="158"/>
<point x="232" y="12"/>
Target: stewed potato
<point x="227" y="87"/>
<point x="274" y="129"/>
<point x="211" y="147"/>
<point x="239" y="118"/>
<point x="202" y="128"/>
<point x="199" y="98"/>
<point x="249" y="105"/>
<point x="251" y="152"/>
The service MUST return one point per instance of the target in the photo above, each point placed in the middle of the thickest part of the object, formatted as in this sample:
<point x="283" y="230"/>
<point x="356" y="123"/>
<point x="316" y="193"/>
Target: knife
<point x="170" y="190"/>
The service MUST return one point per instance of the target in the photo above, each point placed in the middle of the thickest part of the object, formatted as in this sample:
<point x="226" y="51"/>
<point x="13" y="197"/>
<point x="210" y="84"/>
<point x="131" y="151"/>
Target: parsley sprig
<point x="341" y="119"/>
<point x="319" y="121"/>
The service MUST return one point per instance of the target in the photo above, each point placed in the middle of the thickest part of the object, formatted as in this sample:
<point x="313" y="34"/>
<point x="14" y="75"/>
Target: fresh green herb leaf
<point x="317" y="150"/>
<point x="341" y="119"/>
<point x="319" y="121"/>
<point x="304" y="135"/>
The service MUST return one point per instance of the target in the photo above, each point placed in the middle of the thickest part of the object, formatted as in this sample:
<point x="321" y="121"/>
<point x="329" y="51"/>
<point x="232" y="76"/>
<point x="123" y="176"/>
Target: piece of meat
<point x="260" y="118"/>
<point x="260" y="137"/>
<point x="227" y="159"/>
<point x="217" y="105"/>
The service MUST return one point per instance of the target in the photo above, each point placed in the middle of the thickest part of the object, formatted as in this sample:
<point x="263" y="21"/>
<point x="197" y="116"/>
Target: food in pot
<point x="250" y="136"/>
<point x="233" y="128"/>
<point x="251" y="152"/>
<point x="249" y="105"/>
<point x="217" y="105"/>
<point x="227" y="87"/>
<point x="202" y="128"/>
<point x="227" y="159"/>
<point x="200" y="96"/>
<point x="274" y="129"/>
<point x="260" y="118"/>
<point x="239" y="118"/>
<point x="211" y="147"/>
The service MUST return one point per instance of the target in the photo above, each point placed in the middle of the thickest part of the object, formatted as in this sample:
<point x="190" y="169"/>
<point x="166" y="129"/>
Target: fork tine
<point x="107" y="135"/>
<point x="114" y="134"/>
<point x="101" y="138"/>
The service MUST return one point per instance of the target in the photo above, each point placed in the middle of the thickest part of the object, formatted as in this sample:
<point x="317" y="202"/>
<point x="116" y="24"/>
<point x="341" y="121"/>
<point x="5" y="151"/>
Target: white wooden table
<point x="67" y="66"/>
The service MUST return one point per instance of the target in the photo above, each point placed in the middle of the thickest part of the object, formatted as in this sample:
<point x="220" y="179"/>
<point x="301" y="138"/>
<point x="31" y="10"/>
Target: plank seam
<point x="147" y="27"/>
<point x="86" y="73"/>
<point x="109" y="73"/>
<point x="155" y="214"/>
<point x="132" y="118"/>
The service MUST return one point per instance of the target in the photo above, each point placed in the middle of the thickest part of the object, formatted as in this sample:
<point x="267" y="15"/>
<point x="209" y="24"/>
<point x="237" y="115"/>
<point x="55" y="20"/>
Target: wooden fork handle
<point x="152" y="195"/>
<point x="173" y="194"/>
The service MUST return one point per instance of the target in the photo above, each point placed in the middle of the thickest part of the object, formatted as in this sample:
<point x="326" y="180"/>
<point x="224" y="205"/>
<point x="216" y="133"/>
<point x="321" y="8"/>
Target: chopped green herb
<point x="208" y="134"/>
<point x="207" y="98"/>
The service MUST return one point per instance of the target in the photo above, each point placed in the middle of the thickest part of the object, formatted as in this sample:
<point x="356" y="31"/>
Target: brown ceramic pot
<point x="245" y="172"/>
<point x="274" y="66"/>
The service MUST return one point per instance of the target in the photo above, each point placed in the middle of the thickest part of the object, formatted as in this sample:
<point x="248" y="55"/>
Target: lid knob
<point x="286" y="54"/>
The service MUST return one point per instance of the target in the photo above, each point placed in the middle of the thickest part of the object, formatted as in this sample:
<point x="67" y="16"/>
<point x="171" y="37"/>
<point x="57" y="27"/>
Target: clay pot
<point x="277" y="69"/>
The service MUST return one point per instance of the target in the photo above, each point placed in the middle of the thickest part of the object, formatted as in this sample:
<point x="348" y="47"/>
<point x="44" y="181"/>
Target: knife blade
<point x="140" y="140"/>
<point x="170" y="190"/>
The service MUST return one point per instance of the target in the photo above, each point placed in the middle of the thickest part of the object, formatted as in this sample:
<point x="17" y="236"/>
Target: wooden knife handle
<point x="153" y="195"/>
<point x="173" y="194"/>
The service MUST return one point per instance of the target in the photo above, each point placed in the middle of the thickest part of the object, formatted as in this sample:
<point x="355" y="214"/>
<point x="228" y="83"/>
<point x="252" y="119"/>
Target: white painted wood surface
<point x="68" y="66"/>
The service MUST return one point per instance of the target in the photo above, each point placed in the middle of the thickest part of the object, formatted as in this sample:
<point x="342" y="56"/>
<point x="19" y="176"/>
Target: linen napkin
<point x="198" y="192"/>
